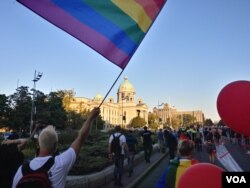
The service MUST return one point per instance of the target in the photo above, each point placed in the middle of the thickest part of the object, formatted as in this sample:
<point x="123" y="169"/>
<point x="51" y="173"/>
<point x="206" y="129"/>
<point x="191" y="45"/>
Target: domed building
<point x="126" y="91"/>
<point x="114" y="113"/>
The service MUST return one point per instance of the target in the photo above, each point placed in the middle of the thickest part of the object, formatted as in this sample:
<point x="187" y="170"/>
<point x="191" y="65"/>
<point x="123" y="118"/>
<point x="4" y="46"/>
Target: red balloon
<point x="233" y="105"/>
<point x="201" y="175"/>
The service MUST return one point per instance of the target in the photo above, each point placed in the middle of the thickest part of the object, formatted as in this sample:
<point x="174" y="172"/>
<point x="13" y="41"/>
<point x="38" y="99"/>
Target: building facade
<point x="114" y="113"/>
<point x="167" y="113"/>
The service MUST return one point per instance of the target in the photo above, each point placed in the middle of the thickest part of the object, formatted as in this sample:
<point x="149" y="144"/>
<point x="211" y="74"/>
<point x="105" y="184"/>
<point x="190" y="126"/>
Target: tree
<point x="138" y="122"/>
<point x="4" y="110"/>
<point x="41" y="107"/>
<point x="175" y="122"/>
<point x="221" y="123"/>
<point x="20" y="103"/>
<point x="188" y="119"/>
<point x="208" y="122"/>
<point x="54" y="109"/>
<point x="75" y="120"/>
<point x="57" y="113"/>
<point x="98" y="123"/>
<point x="152" y="121"/>
<point x="68" y="95"/>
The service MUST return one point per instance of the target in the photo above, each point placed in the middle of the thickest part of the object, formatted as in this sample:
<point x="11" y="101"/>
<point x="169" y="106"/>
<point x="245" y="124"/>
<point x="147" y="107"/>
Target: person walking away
<point x="175" y="168"/>
<point x="147" y="144"/>
<point x="48" y="140"/>
<point x="171" y="142"/>
<point x="210" y="144"/>
<point x="117" y="148"/>
<point x="131" y="142"/>
<point x="160" y="137"/>
<point x="198" y="142"/>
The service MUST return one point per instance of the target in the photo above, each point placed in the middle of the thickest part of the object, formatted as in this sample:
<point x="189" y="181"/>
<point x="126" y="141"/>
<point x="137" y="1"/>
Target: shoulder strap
<point x="49" y="163"/>
<point x="117" y="136"/>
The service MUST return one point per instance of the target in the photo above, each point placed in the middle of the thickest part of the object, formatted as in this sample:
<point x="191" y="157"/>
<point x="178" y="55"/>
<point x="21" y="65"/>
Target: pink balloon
<point x="233" y="105"/>
<point x="201" y="175"/>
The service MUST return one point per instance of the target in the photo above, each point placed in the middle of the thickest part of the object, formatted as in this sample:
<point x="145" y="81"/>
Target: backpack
<point x="36" y="178"/>
<point x="115" y="145"/>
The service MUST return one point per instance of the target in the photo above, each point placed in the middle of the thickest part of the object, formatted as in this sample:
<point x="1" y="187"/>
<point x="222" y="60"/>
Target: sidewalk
<point x="103" y="179"/>
<point x="140" y="170"/>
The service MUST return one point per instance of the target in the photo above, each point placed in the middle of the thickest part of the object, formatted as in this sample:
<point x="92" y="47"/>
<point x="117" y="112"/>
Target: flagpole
<point x="111" y="87"/>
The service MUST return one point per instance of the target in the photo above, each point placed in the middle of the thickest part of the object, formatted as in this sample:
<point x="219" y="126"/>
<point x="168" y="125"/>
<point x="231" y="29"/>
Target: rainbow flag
<point x="173" y="171"/>
<point x="114" y="28"/>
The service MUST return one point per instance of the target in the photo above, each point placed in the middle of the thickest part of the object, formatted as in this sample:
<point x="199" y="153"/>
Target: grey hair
<point x="48" y="138"/>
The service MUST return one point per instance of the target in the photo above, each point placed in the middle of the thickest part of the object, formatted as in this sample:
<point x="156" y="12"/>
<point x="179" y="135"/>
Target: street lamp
<point x="37" y="77"/>
<point x="123" y="117"/>
<point x="109" y="114"/>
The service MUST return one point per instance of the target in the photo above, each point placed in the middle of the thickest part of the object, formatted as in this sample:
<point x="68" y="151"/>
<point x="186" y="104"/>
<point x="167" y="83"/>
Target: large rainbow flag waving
<point x="114" y="28"/>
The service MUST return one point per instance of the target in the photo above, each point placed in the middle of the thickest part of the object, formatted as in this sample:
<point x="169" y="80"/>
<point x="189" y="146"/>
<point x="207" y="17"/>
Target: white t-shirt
<point x="122" y="140"/>
<point x="58" y="171"/>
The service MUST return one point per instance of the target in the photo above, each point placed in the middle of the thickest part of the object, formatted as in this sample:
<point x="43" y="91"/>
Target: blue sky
<point x="191" y="52"/>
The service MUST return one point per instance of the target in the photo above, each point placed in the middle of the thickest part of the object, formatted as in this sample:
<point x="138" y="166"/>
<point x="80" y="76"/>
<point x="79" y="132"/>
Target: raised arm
<point x="21" y="142"/>
<point x="84" y="131"/>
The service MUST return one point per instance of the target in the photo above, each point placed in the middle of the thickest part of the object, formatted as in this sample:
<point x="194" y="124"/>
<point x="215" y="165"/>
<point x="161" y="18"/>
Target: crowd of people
<point x="178" y="144"/>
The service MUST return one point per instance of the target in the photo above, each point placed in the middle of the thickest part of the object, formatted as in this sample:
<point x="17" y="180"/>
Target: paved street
<point x="238" y="154"/>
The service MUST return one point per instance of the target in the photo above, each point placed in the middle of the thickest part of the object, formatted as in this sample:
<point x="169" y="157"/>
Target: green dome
<point x="126" y="86"/>
<point x="98" y="97"/>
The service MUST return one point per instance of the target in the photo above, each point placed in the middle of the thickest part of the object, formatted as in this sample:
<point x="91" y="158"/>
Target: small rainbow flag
<point x="114" y="28"/>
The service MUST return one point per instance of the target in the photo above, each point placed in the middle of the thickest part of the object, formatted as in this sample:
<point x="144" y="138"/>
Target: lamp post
<point x="37" y="77"/>
<point x="122" y="109"/>
<point x="109" y="114"/>
<point x="122" y="112"/>
<point x="182" y="119"/>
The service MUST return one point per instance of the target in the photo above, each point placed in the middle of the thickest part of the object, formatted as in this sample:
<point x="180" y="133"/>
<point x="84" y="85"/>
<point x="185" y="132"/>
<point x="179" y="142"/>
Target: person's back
<point x="160" y="137"/>
<point x="146" y="135"/>
<point x="176" y="167"/>
<point x="48" y="140"/>
<point x="118" y="159"/>
<point x="171" y="143"/>
<point x="62" y="164"/>
<point x="147" y="144"/>
<point x="131" y="142"/>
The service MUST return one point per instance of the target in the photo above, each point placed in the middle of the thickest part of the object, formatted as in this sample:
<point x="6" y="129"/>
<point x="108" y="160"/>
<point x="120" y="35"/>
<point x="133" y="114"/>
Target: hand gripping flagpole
<point x="111" y="87"/>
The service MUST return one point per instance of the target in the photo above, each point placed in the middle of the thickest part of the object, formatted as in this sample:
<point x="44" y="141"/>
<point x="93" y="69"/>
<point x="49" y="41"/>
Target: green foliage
<point x="98" y="123"/>
<point x="93" y="156"/>
<point x="221" y="123"/>
<point x="15" y="110"/>
<point x="66" y="136"/>
<point x="68" y="96"/>
<point x="154" y="126"/>
<point x="152" y="121"/>
<point x="21" y="107"/>
<point x="75" y="120"/>
<point x="188" y="119"/>
<point x="4" y="110"/>
<point x="58" y="116"/>
<point x="208" y="122"/>
<point x="138" y="122"/>
<point x="30" y="150"/>
<point x="176" y="122"/>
